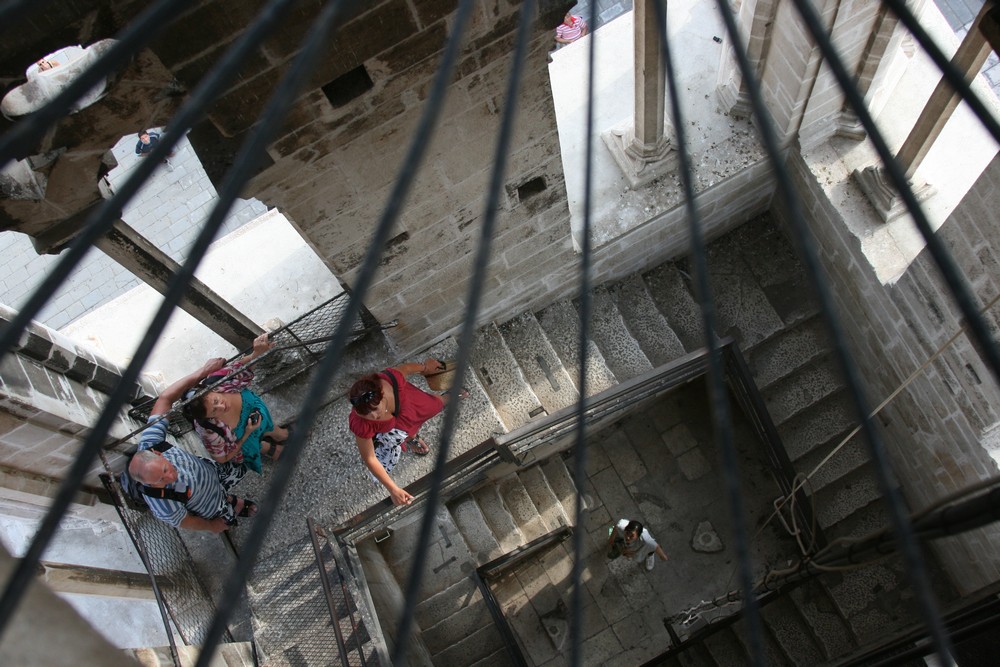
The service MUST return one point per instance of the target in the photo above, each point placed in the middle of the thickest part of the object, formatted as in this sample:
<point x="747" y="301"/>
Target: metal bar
<point x="513" y="558"/>
<point x="509" y="640"/>
<point x="350" y="614"/>
<point x="327" y="591"/>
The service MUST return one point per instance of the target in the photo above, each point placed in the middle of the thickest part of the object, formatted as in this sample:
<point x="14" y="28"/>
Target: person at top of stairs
<point x="386" y="415"/>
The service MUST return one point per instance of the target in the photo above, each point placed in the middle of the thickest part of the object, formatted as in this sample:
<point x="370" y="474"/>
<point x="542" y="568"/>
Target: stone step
<point x="481" y="647"/>
<point x="696" y="656"/>
<point x="447" y="555"/>
<point x="499" y="658"/>
<point x="561" y="324"/>
<point x="551" y="511"/>
<point x="460" y="626"/>
<point x="819" y="612"/>
<point x="621" y="351"/>
<point x="789" y="350"/>
<point x="560" y="480"/>
<point x="646" y="323"/>
<point x="458" y="597"/>
<point x="742" y="306"/>
<point x="498" y="518"/>
<point x="726" y="649"/>
<point x="521" y="507"/>
<point x="838" y="501"/>
<point x="478" y="536"/>
<point x="872" y="599"/>
<point x="825" y="422"/>
<point x="539" y="362"/>
<point x="803" y="388"/>
<point x="864" y="521"/>
<point x="773" y="655"/>
<point x="777" y="268"/>
<point x="791" y="632"/>
<point x="668" y="287"/>
<point x="848" y="458"/>
<point x="501" y="378"/>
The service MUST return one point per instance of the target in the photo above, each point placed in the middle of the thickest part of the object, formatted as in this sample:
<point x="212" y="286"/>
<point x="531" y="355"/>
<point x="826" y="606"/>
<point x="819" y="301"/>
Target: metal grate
<point x="325" y="25"/>
<point x="170" y="566"/>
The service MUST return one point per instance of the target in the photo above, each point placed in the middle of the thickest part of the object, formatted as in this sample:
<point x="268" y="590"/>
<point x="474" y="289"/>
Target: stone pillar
<point x="849" y="125"/>
<point x="873" y="180"/>
<point x="756" y="17"/>
<point x="155" y="268"/>
<point x="644" y="150"/>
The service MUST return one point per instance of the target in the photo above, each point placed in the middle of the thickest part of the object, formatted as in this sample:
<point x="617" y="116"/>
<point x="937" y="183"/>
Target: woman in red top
<point x="390" y="410"/>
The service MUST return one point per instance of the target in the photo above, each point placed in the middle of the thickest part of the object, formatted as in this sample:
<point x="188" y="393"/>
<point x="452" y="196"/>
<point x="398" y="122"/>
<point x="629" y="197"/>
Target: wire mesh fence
<point x="170" y="566"/>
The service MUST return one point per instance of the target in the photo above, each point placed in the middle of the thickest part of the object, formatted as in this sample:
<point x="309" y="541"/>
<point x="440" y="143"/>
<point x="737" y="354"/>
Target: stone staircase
<point x="527" y="367"/>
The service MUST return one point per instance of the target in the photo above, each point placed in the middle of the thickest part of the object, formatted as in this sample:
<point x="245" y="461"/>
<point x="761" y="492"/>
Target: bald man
<point x="181" y="489"/>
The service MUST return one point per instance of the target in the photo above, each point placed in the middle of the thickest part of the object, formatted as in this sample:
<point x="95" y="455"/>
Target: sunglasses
<point x="364" y="399"/>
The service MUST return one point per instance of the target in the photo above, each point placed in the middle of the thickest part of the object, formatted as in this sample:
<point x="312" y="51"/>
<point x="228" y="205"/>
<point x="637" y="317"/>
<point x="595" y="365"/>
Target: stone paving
<point x="168" y="211"/>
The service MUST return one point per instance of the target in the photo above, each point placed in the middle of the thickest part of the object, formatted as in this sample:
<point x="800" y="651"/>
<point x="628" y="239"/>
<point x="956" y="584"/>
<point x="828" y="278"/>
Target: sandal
<point x="418" y="446"/>
<point x="248" y="509"/>
<point x="274" y="450"/>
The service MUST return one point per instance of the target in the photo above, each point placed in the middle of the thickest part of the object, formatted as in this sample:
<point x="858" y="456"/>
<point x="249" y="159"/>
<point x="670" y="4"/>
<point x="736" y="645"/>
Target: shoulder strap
<point x="395" y="391"/>
<point x="163" y="494"/>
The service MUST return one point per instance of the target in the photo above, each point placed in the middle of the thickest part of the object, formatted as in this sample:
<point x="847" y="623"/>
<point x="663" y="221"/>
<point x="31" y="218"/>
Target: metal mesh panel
<point x="292" y="613"/>
<point x="159" y="545"/>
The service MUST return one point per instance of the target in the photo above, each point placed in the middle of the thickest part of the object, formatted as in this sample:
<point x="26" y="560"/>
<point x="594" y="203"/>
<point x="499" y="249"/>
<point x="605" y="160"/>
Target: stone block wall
<point x="935" y="427"/>
<point x="51" y="392"/>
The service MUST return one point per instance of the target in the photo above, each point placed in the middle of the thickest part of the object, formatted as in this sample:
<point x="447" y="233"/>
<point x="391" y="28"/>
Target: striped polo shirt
<point x="193" y="472"/>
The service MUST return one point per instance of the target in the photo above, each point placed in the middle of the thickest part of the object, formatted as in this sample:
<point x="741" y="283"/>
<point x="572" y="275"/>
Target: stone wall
<point x="935" y="427"/>
<point x="51" y="392"/>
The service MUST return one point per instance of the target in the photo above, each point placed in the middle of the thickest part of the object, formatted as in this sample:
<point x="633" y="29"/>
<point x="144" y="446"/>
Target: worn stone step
<point x="460" y="626"/>
<point x="501" y="378"/>
<point x="646" y="323"/>
<point x="447" y="555"/>
<point x="864" y="521"/>
<point x="787" y="351"/>
<point x="478" y="419"/>
<point x="481" y="645"/>
<point x="546" y="503"/>
<point x="791" y="632"/>
<point x="696" y="656"/>
<point x="848" y="458"/>
<point x="499" y="658"/>
<point x="873" y="598"/>
<point x="521" y="507"/>
<point x="560" y="480"/>
<point x="668" y="287"/>
<point x="802" y="389"/>
<point x="819" y="612"/>
<point x="773" y="655"/>
<point x="825" y="422"/>
<point x="475" y="530"/>
<point x="777" y="268"/>
<point x="460" y="596"/>
<point x="726" y="649"/>
<point x="743" y="309"/>
<point x="621" y="350"/>
<point x="838" y="501"/>
<point x="540" y="365"/>
<point x="561" y="323"/>
<point x="498" y="518"/>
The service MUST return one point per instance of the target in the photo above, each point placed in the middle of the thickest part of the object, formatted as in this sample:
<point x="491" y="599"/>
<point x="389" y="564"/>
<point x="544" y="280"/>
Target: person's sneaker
<point x="649" y="563"/>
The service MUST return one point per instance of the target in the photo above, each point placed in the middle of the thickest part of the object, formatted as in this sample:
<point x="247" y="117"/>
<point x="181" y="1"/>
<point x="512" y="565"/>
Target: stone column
<point x="873" y="180"/>
<point x="849" y="125"/>
<point x="757" y="18"/>
<point x="644" y="150"/>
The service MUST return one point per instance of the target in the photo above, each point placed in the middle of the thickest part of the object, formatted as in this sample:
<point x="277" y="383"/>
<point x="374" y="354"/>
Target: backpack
<point x="135" y="493"/>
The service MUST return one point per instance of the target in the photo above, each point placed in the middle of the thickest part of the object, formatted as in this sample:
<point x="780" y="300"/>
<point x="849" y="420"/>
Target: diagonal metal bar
<point x="330" y="363"/>
<point x="580" y="443"/>
<point x="809" y="256"/>
<point x="468" y="334"/>
<point x="721" y="414"/>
